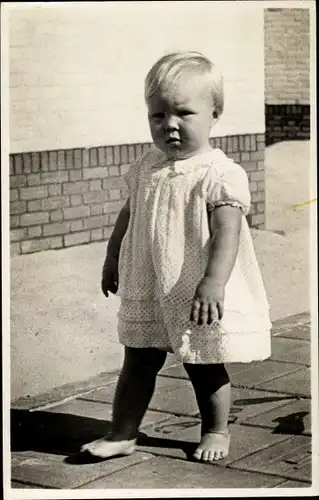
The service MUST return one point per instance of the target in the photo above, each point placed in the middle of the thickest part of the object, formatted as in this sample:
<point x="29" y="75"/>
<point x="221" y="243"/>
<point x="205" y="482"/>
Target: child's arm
<point x="225" y="222"/>
<point x="110" y="266"/>
<point x="120" y="227"/>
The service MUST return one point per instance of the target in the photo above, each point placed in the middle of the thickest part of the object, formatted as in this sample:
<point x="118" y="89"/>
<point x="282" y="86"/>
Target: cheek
<point x="155" y="128"/>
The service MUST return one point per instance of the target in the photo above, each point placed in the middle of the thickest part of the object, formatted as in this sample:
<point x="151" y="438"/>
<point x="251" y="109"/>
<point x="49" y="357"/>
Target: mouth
<point x="173" y="140"/>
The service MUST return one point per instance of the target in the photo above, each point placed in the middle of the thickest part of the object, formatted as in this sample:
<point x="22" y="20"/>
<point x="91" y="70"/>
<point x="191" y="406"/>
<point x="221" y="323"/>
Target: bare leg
<point x="213" y="393"/>
<point x="134" y="391"/>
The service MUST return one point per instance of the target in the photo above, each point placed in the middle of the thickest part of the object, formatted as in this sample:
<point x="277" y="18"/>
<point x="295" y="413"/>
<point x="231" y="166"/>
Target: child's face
<point x="181" y="117"/>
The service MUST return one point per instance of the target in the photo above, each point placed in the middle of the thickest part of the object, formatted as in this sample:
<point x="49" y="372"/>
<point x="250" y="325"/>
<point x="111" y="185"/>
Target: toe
<point x="205" y="455"/>
<point x="217" y="455"/>
<point x="211" y="456"/>
<point x="198" y="454"/>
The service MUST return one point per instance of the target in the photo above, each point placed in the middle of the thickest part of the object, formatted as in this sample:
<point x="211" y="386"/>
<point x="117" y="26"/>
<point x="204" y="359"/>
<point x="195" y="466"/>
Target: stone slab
<point x="175" y="438"/>
<point x="290" y="350"/>
<point x="250" y="402"/>
<point x="244" y="374"/>
<point x="291" y="321"/>
<point x="65" y="391"/>
<point x="179" y="436"/>
<point x="293" y="418"/>
<point x="173" y="396"/>
<point x="290" y="483"/>
<point x="297" y="384"/>
<point x="164" y="472"/>
<point x="101" y="411"/>
<point x="263" y="372"/>
<point x="176" y="396"/>
<point x="178" y="371"/>
<point x="302" y="332"/>
<point x="290" y="459"/>
<point x="171" y="360"/>
<point x="58" y="471"/>
<point x="54" y="432"/>
<point x="21" y="486"/>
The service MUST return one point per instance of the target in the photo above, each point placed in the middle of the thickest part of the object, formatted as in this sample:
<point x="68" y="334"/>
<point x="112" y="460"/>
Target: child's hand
<point x="208" y="303"/>
<point x="110" y="276"/>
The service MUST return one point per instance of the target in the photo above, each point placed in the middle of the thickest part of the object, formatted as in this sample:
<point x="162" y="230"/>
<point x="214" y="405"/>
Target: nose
<point x="170" y="122"/>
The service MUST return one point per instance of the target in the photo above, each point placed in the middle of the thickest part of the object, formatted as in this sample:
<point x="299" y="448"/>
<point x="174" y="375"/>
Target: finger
<point x="213" y="312"/>
<point x="195" y="311"/>
<point x="220" y="309"/>
<point x="210" y="314"/>
<point x="113" y="287"/>
<point x="104" y="288"/>
<point x="203" y="314"/>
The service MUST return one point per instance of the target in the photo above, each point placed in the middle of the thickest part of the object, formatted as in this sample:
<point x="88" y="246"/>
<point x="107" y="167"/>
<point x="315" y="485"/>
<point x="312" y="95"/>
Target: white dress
<point x="164" y="254"/>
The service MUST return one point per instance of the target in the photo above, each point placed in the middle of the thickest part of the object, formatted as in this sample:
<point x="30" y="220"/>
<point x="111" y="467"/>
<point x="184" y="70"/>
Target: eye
<point x="185" y="112"/>
<point x="157" y="116"/>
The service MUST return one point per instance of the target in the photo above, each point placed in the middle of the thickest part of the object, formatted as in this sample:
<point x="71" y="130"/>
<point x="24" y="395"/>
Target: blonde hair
<point x="171" y="66"/>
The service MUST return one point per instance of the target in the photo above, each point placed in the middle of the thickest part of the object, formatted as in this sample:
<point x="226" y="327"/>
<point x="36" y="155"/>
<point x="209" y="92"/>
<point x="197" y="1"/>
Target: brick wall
<point x="287" y="122"/>
<point x="287" y="74"/>
<point x="287" y="56"/>
<point x="70" y="197"/>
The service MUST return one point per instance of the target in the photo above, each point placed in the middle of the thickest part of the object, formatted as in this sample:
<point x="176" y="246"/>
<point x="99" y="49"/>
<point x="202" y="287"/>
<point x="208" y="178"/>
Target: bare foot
<point x="213" y="446"/>
<point x="105" y="448"/>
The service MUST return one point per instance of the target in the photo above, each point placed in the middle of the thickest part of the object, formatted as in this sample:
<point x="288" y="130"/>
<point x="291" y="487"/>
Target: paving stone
<point x="176" y="438"/>
<point x="171" y="359"/>
<point x="250" y="402"/>
<point x="291" y="321"/>
<point x="101" y="411"/>
<point x="302" y="332"/>
<point x="62" y="392"/>
<point x="290" y="459"/>
<point x="171" y="396"/>
<point x="297" y="383"/>
<point x="263" y="372"/>
<point x="54" y="432"/>
<point x="243" y="374"/>
<point x="179" y="436"/>
<point x="16" y="485"/>
<point x="178" y="371"/>
<point x="171" y="473"/>
<point x="293" y="418"/>
<point x="175" y="396"/>
<point x="236" y="368"/>
<point x="290" y="350"/>
<point x="293" y="484"/>
<point x="58" y="471"/>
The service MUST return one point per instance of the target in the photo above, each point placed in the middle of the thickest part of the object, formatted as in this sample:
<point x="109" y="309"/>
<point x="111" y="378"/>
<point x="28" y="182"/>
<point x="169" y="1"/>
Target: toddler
<point x="182" y="259"/>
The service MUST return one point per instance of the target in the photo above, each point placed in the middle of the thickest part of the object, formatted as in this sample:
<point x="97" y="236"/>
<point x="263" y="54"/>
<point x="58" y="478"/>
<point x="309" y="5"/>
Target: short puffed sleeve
<point x="228" y="184"/>
<point x="130" y="175"/>
<point x="135" y="170"/>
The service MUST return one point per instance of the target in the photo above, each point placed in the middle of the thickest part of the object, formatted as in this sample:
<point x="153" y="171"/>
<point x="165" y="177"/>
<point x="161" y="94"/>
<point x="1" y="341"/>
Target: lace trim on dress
<point x="221" y="203"/>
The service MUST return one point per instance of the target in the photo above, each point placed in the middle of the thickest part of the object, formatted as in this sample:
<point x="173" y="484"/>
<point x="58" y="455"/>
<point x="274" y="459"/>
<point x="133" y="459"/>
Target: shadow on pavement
<point x="291" y="424"/>
<point x="64" y="434"/>
<point x="256" y="401"/>
<point x="54" y="433"/>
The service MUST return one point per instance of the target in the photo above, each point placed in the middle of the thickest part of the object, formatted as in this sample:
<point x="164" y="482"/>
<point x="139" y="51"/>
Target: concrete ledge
<point x="64" y="392"/>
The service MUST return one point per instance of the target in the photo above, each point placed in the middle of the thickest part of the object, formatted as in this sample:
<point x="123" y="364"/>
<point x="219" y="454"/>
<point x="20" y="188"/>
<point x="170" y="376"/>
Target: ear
<point x="215" y="114"/>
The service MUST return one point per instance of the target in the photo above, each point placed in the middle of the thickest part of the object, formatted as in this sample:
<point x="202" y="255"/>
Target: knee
<point x="209" y="374"/>
<point x="144" y="361"/>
